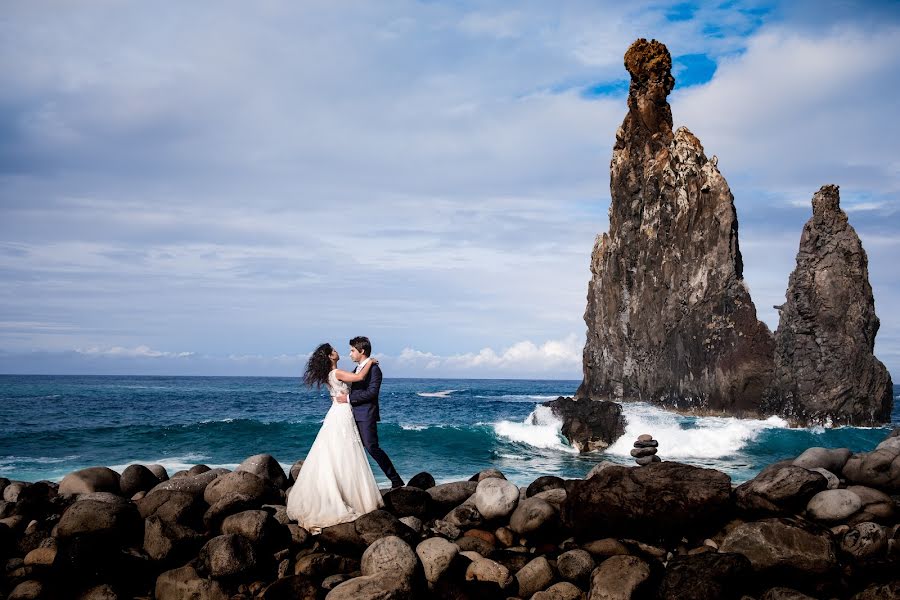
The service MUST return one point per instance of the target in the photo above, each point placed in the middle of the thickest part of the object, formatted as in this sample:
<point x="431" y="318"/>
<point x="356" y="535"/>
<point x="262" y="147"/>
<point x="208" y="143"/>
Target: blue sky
<point x="215" y="189"/>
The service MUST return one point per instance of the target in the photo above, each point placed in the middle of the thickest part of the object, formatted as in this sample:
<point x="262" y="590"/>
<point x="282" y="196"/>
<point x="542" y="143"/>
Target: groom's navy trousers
<point x="364" y="400"/>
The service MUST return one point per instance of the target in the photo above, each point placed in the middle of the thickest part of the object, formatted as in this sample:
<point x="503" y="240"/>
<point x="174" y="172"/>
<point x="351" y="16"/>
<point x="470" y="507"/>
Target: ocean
<point x="452" y="428"/>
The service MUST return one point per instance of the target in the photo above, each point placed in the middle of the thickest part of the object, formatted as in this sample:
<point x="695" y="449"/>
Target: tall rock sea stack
<point x="669" y="318"/>
<point x="826" y="335"/>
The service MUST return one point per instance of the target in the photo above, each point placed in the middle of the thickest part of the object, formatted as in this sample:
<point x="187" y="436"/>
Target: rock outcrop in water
<point x="669" y="318"/>
<point x="824" y="342"/>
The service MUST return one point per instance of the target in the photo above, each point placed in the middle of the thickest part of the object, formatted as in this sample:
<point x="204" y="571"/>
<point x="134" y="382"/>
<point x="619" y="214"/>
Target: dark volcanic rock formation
<point x="826" y="335"/>
<point x="589" y="425"/>
<point x="669" y="317"/>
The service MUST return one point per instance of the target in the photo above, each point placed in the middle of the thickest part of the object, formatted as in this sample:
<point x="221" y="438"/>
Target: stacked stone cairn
<point x="644" y="451"/>
<point x="822" y="525"/>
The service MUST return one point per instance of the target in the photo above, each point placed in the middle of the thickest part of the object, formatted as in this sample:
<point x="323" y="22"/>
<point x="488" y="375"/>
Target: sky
<point x="216" y="187"/>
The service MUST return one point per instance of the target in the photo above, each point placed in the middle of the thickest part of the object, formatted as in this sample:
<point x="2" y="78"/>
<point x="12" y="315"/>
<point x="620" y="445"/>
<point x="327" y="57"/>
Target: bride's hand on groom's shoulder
<point x="374" y="360"/>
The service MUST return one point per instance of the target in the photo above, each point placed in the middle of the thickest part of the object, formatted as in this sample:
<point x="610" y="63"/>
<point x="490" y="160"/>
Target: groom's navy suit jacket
<point x="364" y="396"/>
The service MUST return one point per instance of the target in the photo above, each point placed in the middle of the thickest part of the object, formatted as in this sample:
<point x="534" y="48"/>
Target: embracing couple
<point x="336" y="484"/>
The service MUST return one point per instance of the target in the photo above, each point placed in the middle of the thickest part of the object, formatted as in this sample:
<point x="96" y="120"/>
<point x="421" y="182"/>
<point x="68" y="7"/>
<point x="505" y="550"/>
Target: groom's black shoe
<point x="396" y="483"/>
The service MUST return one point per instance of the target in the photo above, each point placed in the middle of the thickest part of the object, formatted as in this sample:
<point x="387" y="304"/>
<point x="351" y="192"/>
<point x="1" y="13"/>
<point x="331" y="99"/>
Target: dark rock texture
<point x="656" y="501"/>
<point x="669" y="317"/>
<point x="826" y="336"/>
<point x="589" y="425"/>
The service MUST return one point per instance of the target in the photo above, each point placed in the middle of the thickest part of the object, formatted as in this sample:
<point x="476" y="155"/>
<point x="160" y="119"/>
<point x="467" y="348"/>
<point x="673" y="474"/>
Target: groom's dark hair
<point x="362" y="344"/>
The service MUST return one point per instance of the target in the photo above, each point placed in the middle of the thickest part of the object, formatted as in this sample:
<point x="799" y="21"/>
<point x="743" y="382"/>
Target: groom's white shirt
<point x="361" y="365"/>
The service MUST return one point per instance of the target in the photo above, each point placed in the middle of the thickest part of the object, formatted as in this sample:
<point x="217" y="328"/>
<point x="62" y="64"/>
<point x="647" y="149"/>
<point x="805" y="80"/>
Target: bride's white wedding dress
<point x="336" y="484"/>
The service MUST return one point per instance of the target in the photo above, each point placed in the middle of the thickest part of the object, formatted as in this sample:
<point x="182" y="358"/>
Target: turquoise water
<point x="451" y="428"/>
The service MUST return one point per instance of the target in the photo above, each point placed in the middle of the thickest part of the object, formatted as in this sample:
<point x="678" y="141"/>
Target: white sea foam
<point x="522" y="397"/>
<point x="539" y="429"/>
<point x="407" y="427"/>
<point x="441" y="394"/>
<point x="683" y="437"/>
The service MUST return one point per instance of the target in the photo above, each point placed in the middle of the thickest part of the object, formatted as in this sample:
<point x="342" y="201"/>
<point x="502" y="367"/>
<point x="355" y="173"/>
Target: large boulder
<point x="377" y="524"/>
<point x="389" y="554"/>
<point x="833" y="505"/>
<point x="265" y="467"/>
<point x="496" y="498"/>
<point x="782" y="492"/>
<point x="172" y="506"/>
<point x="668" y="314"/>
<point x="588" y="425"/>
<point x="545" y="483"/>
<point x="865" y="541"/>
<point x="229" y="557"/>
<point x="534" y="577"/>
<point x="407" y="501"/>
<point x="532" y="516"/>
<point x="92" y="479"/>
<point x="170" y="542"/>
<point x="876" y="505"/>
<point x="575" y="565"/>
<point x="830" y="459"/>
<point x="240" y="482"/>
<point x="258" y="526"/>
<point x="193" y="484"/>
<point x="436" y="555"/>
<point x="825" y="339"/>
<point x="878" y="469"/>
<point x="380" y="586"/>
<point x="185" y="582"/>
<point x="119" y="522"/>
<point x="292" y="587"/>
<point x="137" y="478"/>
<point x="782" y="545"/>
<point x="450" y="495"/>
<point x="618" y="578"/>
<point x="702" y="576"/>
<point x="665" y="499"/>
<point x="423" y="481"/>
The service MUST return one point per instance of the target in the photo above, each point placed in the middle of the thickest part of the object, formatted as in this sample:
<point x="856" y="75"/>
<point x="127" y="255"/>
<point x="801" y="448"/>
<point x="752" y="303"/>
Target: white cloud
<point x="136" y="352"/>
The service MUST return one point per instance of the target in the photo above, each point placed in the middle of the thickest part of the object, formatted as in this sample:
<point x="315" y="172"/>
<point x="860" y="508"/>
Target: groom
<point x="364" y="400"/>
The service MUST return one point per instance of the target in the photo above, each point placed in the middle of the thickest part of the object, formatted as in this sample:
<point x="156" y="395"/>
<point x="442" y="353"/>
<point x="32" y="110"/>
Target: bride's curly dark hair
<point x="318" y="367"/>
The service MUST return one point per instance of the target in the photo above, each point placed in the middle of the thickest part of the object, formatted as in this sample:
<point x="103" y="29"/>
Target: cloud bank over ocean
<point x="216" y="189"/>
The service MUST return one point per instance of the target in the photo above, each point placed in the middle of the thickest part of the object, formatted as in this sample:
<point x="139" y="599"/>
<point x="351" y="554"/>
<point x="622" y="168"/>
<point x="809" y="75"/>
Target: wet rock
<point x="496" y="498"/>
<point x="229" y="504"/>
<point x="137" y="478"/>
<point x="185" y="582"/>
<point x="299" y="535"/>
<point x="556" y="498"/>
<point x="485" y="569"/>
<point x="295" y="471"/>
<point x="833" y="481"/>
<point x="413" y="523"/>
<point x="92" y="479"/>
<point x="880" y="591"/>
<point x="532" y="515"/>
<point x="605" y="548"/>
<point x="475" y="544"/>
<point x="537" y="575"/>
<point x="825" y="339"/>
<point x="265" y="467"/>
<point x="626" y="500"/>
<point x="229" y="557"/>
<point x="589" y="425"/>
<point x="160" y="472"/>
<point x="785" y="491"/>
<point x="240" y="482"/>
<point x="423" y="481"/>
<point x="782" y="545"/>
<point x="618" y="578"/>
<point x="29" y="590"/>
<point x="599" y="467"/>
<point x="100" y="592"/>
<point x="407" y="501"/>
<point x="543" y="484"/>
<point x="575" y="565"/>
<point x="487" y="473"/>
<point x="444" y="529"/>
<point x="43" y="557"/>
<point x="833" y="505"/>
<point x="669" y="316"/>
<point x="702" y="576"/>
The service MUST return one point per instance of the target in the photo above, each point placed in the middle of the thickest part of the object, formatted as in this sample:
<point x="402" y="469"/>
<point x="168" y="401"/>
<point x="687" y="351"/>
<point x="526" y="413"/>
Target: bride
<point x="335" y="484"/>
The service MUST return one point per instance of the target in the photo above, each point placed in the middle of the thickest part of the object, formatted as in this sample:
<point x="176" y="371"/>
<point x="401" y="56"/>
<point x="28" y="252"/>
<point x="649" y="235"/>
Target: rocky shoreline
<point x="823" y="525"/>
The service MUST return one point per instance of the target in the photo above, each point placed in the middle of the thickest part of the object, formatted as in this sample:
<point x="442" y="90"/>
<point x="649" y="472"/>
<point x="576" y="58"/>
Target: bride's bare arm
<point x="349" y="377"/>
